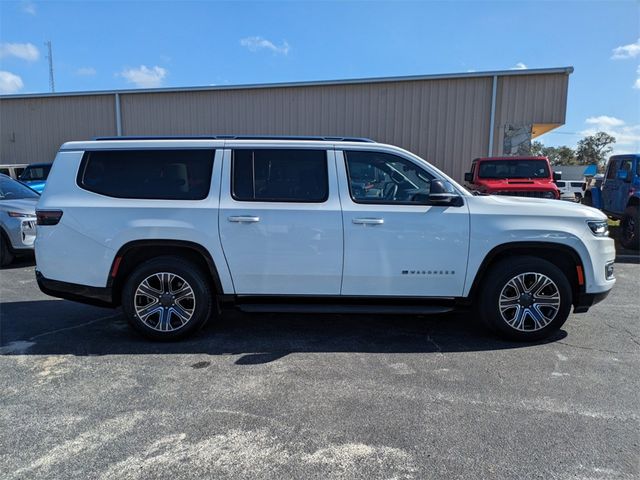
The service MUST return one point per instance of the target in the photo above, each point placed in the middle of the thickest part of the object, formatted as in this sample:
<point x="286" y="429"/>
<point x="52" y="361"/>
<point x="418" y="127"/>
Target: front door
<point x="394" y="244"/>
<point x="610" y="186"/>
<point x="280" y="221"/>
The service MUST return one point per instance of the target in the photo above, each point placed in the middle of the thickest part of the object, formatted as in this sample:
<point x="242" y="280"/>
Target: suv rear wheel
<point x="167" y="298"/>
<point x="630" y="228"/>
<point x="526" y="298"/>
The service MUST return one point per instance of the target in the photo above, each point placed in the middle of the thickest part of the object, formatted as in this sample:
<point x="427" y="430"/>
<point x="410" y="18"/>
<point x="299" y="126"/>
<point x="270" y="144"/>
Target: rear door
<point x="393" y="244"/>
<point x="280" y="221"/>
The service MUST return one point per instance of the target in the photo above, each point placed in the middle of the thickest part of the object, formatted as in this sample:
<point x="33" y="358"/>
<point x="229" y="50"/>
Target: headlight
<point x="600" y="228"/>
<point x="549" y="195"/>
<point x="21" y="215"/>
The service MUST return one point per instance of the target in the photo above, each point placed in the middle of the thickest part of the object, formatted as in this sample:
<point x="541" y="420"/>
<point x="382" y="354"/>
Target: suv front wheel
<point x="526" y="298"/>
<point x="167" y="298"/>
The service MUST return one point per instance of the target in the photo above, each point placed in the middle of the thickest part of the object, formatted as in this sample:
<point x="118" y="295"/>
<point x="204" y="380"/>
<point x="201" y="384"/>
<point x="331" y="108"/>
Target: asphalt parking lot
<point x="315" y="396"/>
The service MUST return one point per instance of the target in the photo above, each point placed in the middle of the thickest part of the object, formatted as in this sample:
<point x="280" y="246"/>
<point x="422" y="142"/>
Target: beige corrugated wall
<point x="32" y="129"/>
<point x="528" y="100"/>
<point x="445" y="120"/>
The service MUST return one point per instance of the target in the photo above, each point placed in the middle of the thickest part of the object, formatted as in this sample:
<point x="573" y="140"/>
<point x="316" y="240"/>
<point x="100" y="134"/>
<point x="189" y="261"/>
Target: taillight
<point x="48" y="217"/>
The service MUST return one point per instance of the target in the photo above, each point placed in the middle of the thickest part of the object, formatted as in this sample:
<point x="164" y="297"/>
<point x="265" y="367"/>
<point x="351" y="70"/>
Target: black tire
<point x="630" y="229"/>
<point x="551" y="318"/>
<point x="6" y="256"/>
<point x="587" y="200"/>
<point x="166" y="323"/>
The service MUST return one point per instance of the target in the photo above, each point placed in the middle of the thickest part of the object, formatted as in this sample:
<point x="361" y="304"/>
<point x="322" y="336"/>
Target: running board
<point x="354" y="309"/>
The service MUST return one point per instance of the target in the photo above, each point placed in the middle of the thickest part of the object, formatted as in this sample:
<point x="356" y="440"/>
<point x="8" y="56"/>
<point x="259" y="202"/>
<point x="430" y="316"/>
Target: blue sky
<point x="116" y="44"/>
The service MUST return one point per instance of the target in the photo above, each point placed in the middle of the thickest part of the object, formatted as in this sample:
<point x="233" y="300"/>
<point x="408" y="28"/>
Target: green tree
<point x="557" y="155"/>
<point x="595" y="148"/>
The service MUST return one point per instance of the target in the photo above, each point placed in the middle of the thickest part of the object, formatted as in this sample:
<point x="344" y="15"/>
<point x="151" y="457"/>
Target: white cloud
<point x="258" y="43"/>
<point x="29" y="7"/>
<point x="627" y="136"/>
<point x="519" y="66"/>
<point x="604" y="121"/>
<point x="626" y="51"/>
<point x="86" y="71"/>
<point x="143" y="76"/>
<point x="24" y="51"/>
<point x="637" y="82"/>
<point x="10" y="82"/>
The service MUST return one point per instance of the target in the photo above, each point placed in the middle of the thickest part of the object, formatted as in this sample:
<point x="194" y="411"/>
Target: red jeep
<point x="515" y="176"/>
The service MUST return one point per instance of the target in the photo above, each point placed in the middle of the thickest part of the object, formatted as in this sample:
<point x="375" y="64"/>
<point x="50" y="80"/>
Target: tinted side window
<point x="376" y="177"/>
<point x="280" y="175"/>
<point x="613" y="168"/>
<point x="148" y="174"/>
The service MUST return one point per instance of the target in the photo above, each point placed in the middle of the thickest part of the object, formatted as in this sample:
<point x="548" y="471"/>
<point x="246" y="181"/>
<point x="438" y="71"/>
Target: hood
<point x="518" y="183"/>
<point x="37" y="185"/>
<point x="24" y="205"/>
<point x="542" y="206"/>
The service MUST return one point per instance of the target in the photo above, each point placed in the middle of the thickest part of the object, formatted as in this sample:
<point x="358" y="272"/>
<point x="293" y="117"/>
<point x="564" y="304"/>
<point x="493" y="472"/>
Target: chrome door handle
<point x="244" y="219"/>
<point x="368" y="221"/>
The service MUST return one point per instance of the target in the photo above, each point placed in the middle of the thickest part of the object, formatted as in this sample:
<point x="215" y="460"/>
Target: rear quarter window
<point x="148" y="174"/>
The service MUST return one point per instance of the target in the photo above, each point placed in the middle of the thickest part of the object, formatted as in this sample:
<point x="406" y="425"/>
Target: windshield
<point x="35" y="173"/>
<point x="514" y="169"/>
<point x="12" y="190"/>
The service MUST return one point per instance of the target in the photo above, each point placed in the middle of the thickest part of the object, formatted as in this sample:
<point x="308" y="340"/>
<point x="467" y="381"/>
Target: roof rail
<point x="239" y="137"/>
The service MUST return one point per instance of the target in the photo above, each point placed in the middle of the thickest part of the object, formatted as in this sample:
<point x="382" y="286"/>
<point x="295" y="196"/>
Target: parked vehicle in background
<point x="619" y="196"/>
<point x="570" y="190"/>
<point x="13" y="170"/>
<point x="35" y="176"/>
<point x="513" y="176"/>
<point x="175" y="230"/>
<point x="17" y="219"/>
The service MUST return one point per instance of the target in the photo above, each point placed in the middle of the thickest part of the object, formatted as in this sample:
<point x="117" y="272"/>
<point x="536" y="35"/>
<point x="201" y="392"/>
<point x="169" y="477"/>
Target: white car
<point x="17" y="219"/>
<point x="176" y="229"/>
<point x="570" y="190"/>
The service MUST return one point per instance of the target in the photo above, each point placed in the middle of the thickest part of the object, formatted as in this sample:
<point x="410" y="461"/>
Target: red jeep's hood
<point x="516" y="184"/>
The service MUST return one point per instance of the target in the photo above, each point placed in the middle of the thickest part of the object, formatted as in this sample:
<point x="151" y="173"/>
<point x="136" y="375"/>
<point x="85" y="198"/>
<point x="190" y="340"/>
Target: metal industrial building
<point x="447" y="119"/>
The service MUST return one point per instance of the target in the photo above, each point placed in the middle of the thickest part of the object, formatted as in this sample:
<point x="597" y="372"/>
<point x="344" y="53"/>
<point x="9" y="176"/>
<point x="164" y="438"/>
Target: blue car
<point x="618" y="196"/>
<point x="35" y="176"/>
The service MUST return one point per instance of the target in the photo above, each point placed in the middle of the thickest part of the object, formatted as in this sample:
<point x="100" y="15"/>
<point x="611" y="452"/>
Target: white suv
<point x="176" y="229"/>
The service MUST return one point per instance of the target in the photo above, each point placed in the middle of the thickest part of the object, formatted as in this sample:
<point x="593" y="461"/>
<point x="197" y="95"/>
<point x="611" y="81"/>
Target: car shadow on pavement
<point x="57" y="327"/>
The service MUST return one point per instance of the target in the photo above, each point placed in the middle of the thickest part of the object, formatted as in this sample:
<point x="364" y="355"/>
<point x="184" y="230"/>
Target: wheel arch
<point x="135" y="252"/>
<point x="563" y="256"/>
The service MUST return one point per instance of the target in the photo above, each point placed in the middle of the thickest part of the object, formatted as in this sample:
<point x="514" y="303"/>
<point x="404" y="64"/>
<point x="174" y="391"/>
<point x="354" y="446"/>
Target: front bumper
<point x="99" y="296"/>
<point x="21" y="233"/>
<point x="588" y="300"/>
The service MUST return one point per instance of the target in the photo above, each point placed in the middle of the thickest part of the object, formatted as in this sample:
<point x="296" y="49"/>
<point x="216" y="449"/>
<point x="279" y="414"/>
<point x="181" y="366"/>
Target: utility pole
<point x="52" y="85"/>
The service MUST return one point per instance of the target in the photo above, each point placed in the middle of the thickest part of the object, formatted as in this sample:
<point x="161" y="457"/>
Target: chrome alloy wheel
<point x="164" y="301"/>
<point x="529" y="301"/>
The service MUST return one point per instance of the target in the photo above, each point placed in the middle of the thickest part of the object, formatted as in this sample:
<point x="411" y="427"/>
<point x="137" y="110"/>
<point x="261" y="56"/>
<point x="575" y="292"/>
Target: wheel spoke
<point x="509" y="302"/>
<point x="163" y="323"/>
<point x="181" y="313"/>
<point x="518" y="318"/>
<point x="149" y="310"/>
<point x="148" y="290"/>
<point x="541" y="283"/>
<point x="537" y="317"/>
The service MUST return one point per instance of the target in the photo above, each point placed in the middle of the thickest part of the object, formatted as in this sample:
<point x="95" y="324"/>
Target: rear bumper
<point x="587" y="300"/>
<point x="99" y="296"/>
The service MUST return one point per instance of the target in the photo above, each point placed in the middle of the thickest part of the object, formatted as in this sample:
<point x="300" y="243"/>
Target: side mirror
<point x="468" y="177"/>
<point x="622" y="175"/>
<point x="442" y="193"/>
<point x="557" y="176"/>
